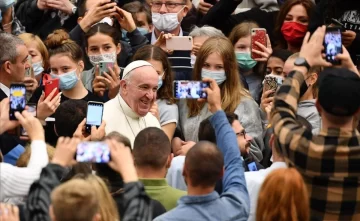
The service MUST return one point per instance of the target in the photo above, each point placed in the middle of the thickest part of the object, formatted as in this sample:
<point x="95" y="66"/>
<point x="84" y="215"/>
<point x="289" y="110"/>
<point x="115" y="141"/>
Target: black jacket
<point x="220" y="16"/>
<point x="40" y="22"/>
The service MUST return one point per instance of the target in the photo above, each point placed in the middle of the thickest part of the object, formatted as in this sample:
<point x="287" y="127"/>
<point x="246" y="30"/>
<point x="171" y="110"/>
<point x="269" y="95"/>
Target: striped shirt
<point x="329" y="162"/>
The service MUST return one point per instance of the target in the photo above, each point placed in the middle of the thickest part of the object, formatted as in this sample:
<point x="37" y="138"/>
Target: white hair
<point x="206" y="31"/>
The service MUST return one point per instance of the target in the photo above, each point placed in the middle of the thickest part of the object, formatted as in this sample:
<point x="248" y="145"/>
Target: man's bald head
<point x="203" y="165"/>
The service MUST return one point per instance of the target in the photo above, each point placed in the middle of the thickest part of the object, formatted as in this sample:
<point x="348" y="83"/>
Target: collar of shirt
<point x="154" y="182"/>
<point x="199" y="199"/>
<point x="123" y="106"/>
<point x="154" y="39"/>
<point x="5" y="89"/>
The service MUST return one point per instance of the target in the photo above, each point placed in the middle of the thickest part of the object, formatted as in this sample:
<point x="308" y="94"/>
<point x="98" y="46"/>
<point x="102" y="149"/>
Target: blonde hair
<point x="232" y="89"/>
<point x="75" y="200"/>
<point x="40" y="46"/>
<point x="108" y="209"/>
<point x="283" y="197"/>
<point x="24" y="158"/>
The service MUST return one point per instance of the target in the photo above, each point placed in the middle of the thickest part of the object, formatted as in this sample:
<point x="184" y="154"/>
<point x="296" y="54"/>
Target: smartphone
<point x="94" y="115"/>
<point x="49" y="86"/>
<point x="190" y="89"/>
<point x="17" y="99"/>
<point x="32" y="110"/>
<point x="338" y="23"/>
<point x="104" y="66"/>
<point x="94" y="152"/>
<point x="272" y="83"/>
<point x="257" y="35"/>
<point x="179" y="43"/>
<point x="252" y="166"/>
<point x="332" y="44"/>
<point x="29" y="72"/>
<point x="213" y="2"/>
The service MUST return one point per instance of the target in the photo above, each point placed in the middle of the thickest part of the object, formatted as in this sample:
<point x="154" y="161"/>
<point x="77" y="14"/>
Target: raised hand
<point x="47" y="106"/>
<point x="5" y="122"/>
<point x="125" y="20"/>
<point x="31" y="124"/>
<point x="266" y="51"/>
<point x="65" y="151"/>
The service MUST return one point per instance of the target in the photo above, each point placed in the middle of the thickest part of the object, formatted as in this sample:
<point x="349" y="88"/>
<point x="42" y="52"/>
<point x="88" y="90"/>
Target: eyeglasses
<point x="169" y="5"/>
<point x="242" y="133"/>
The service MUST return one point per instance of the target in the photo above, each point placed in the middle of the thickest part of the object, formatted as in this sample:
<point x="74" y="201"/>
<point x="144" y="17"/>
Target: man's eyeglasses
<point x="242" y="133"/>
<point x="168" y="5"/>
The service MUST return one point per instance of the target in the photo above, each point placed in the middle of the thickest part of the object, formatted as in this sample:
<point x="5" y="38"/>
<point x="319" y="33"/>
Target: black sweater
<point x="219" y="16"/>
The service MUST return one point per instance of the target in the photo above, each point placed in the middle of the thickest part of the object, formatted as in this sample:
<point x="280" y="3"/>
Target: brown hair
<point x="243" y="30"/>
<point x="59" y="42"/>
<point x="24" y="158"/>
<point x="119" y="138"/>
<point x="204" y="164"/>
<point x="151" y="148"/>
<point x="150" y="52"/>
<point x="232" y="89"/>
<point x="74" y="200"/>
<point x="283" y="197"/>
<point x="138" y="7"/>
<point x="284" y="10"/>
<point x="40" y="46"/>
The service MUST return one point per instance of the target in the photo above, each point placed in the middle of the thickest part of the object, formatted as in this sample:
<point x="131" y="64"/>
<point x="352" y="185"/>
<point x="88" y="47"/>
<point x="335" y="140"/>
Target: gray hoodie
<point x="307" y="110"/>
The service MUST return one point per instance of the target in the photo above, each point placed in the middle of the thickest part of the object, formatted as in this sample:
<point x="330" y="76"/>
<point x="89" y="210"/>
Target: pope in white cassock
<point x="128" y="113"/>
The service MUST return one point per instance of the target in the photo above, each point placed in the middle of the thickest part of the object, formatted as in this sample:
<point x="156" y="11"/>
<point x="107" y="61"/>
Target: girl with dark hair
<point x="292" y="23"/>
<point x="102" y="45"/>
<point x="165" y="101"/>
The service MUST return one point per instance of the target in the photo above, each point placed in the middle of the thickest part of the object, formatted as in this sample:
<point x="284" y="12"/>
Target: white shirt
<point x="121" y="118"/>
<point x="174" y="175"/>
<point x="5" y="89"/>
<point x="254" y="180"/>
<point x="16" y="181"/>
<point x="154" y="39"/>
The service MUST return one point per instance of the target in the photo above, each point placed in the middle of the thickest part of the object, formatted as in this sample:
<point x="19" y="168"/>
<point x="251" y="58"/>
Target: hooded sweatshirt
<point x="307" y="110"/>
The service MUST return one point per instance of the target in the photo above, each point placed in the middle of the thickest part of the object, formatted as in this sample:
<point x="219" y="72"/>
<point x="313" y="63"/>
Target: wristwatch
<point x="73" y="10"/>
<point x="301" y="62"/>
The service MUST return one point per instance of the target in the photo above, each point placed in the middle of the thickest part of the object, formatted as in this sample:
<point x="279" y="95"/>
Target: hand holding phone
<point x="50" y="85"/>
<point x="258" y="35"/>
<point x="94" y="115"/>
<point x="65" y="151"/>
<point x="5" y="122"/>
<point x="31" y="110"/>
<point x="94" y="152"/>
<point x="17" y="99"/>
<point x="190" y="89"/>
<point x="272" y="83"/>
<point x="179" y="43"/>
<point x="104" y="66"/>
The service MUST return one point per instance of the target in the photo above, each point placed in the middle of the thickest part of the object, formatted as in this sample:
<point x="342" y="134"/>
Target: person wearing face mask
<point x="141" y="14"/>
<point x="216" y="59"/>
<point x="102" y="45"/>
<point x="65" y="60"/>
<point x="39" y="54"/>
<point x="166" y="17"/>
<point x="251" y="69"/>
<point x="292" y="23"/>
<point x="167" y="110"/>
<point x="92" y="12"/>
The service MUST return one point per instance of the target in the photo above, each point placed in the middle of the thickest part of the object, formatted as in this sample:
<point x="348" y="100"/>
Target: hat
<point x="339" y="91"/>
<point x="133" y="65"/>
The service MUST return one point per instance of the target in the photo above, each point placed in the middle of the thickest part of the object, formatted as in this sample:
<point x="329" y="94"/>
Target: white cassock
<point x="121" y="118"/>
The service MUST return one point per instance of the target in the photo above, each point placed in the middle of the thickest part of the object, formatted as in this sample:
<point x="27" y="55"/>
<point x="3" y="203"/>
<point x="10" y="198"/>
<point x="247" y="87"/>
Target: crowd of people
<point x="266" y="133"/>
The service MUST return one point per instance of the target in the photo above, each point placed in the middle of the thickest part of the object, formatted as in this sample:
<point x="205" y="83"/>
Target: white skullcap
<point x="133" y="65"/>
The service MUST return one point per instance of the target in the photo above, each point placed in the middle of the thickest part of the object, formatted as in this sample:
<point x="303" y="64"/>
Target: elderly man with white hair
<point x="128" y="113"/>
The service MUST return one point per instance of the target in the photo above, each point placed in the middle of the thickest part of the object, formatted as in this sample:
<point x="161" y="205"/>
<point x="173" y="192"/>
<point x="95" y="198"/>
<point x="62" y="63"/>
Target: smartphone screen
<point x="94" y="152"/>
<point x="190" y="89"/>
<point x="32" y="110"/>
<point x="17" y="99"/>
<point x="332" y="44"/>
<point x="94" y="115"/>
<point x="252" y="166"/>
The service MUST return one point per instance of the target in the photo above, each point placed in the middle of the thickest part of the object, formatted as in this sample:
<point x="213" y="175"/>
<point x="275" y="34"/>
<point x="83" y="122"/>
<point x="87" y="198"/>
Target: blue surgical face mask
<point x="245" y="61"/>
<point x="67" y="80"/>
<point x="160" y="82"/>
<point x="142" y="31"/>
<point x="38" y="68"/>
<point x="218" y="76"/>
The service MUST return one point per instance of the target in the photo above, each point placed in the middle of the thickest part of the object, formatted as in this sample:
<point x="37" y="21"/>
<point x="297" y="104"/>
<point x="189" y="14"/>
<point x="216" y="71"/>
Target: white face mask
<point x="108" y="57"/>
<point x="218" y="76"/>
<point x="279" y="79"/>
<point x="165" y="22"/>
<point x="192" y="60"/>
